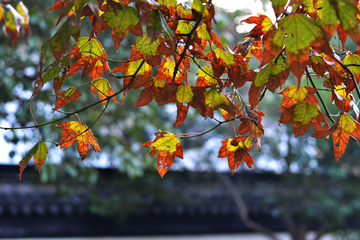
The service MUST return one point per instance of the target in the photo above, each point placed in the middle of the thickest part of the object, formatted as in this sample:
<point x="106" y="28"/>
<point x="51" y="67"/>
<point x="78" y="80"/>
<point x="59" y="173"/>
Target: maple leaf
<point x="76" y="131"/>
<point x="156" y="89"/>
<point x="39" y="152"/>
<point x="150" y="50"/>
<point x="300" y="107"/>
<point x="297" y="33"/>
<point x="92" y="58"/>
<point x="253" y="127"/>
<point x="122" y="20"/>
<point x="214" y="100"/>
<point x="353" y="58"/>
<point x="233" y="63"/>
<point x="278" y="6"/>
<point x="248" y="48"/>
<point x="167" y="146"/>
<point x="325" y="68"/>
<point x="70" y="95"/>
<point x="103" y="88"/>
<point x="205" y="77"/>
<point x="56" y="71"/>
<point x="143" y="77"/>
<point x="183" y="95"/>
<point x="167" y="69"/>
<point x="58" y="4"/>
<point x="2" y="14"/>
<point x="341" y="131"/>
<point x="14" y="22"/>
<point x="345" y="11"/>
<point x="295" y="94"/>
<point x="24" y="12"/>
<point x="342" y="100"/>
<point x="263" y="25"/>
<point x="272" y="75"/>
<point x="303" y="116"/>
<point x="237" y="150"/>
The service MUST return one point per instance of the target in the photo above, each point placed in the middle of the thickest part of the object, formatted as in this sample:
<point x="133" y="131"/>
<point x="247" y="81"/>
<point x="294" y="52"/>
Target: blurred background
<point x="296" y="191"/>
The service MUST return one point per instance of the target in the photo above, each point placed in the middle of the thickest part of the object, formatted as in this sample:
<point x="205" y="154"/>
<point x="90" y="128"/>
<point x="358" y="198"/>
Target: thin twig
<point x="32" y="115"/>
<point x="262" y="94"/>
<point x="213" y="128"/>
<point x="319" y="96"/>
<point x="203" y="133"/>
<point x="82" y="109"/>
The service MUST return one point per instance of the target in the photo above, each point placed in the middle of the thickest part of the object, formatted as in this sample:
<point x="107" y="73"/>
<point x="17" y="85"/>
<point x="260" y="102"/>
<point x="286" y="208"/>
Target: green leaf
<point x="346" y="12"/>
<point x="297" y="32"/>
<point x="203" y="32"/>
<point x="184" y="27"/>
<point x="329" y="19"/>
<point x="168" y="142"/>
<point x="60" y="41"/>
<point x="353" y="59"/>
<point x="213" y="99"/>
<point x="201" y="7"/>
<point x="144" y="46"/>
<point x="168" y="32"/>
<point x="168" y="3"/>
<point x="304" y="113"/>
<point x="206" y="74"/>
<point x="184" y="94"/>
<point x="278" y="6"/>
<point x="155" y="26"/>
<point x="39" y="152"/>
<point x="88" y="46"/>
<point x="122" y="19"/>
<point x="227" y="57"/>
<point x="133" y="66"/>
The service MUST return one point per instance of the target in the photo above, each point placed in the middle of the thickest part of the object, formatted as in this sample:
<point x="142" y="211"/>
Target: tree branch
<point x="243" y="211"/>
<point x="182" y="56"/>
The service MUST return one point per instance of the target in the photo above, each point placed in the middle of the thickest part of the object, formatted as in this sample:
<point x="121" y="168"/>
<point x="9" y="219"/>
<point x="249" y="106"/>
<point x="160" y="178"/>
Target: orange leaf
<point x="103" y="88"/>
<point x="237" y="150"/>
<point x="167" y="146"/>
<point x="70" y="95"/>
<point x="76" y="131"/>
<point x="341" y="131"/>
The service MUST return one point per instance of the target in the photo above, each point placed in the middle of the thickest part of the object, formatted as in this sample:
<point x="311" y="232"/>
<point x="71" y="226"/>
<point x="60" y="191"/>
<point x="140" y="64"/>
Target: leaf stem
<point x="211" y="129"/>
<point x="32" y="115"/>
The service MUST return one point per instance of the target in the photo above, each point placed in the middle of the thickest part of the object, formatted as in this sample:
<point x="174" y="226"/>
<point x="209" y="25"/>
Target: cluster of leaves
<point x="16" y="19"/>
<point x="171" y="37"/>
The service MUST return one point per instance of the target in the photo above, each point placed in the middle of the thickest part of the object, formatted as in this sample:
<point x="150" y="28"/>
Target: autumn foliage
<point x="171" y="37"/>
